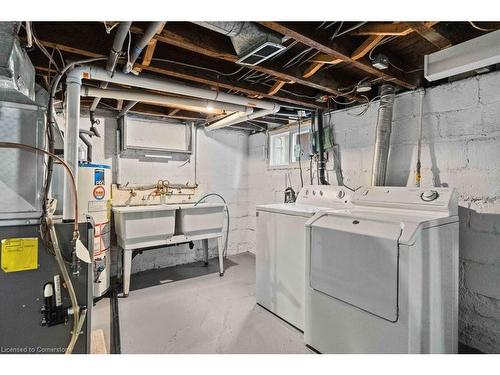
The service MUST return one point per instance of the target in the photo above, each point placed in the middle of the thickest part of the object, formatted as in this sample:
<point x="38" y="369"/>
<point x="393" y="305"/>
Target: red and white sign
<point x="99" y="192"/>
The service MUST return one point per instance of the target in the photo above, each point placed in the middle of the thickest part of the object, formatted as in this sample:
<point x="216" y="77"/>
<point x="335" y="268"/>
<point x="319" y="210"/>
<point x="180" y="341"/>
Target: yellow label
<point x="19" y="254"/>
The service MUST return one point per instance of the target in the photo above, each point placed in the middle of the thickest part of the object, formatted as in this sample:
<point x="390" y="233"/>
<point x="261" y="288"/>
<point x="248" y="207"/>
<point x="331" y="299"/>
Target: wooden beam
<point x="148" y="55"/>
<point x="338" y="52"/>
<point x="385" y="29"/>
<point x="276" y="87"/>
<point x="205" y="47"/>
<point x="201" y="79"/>
<point x="322" y="58"/>
<point x="315" y="66"/>
<point x="173" y="111"/>
<point x="429" y="34"/>
<point x="366" y="46"/>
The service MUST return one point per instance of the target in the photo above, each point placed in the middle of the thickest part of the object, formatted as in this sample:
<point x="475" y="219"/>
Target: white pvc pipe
<point x="241" y="117"/>
<point x="156" y="83"/>
<point x="71" y="134"/>
<point x="74" y="82"/>
<point x="141" y="96"/>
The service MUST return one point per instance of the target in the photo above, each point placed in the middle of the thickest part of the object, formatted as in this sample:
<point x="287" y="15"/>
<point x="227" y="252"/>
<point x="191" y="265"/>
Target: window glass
<point x="279" y="149"/>
<point x="301" y="145"/>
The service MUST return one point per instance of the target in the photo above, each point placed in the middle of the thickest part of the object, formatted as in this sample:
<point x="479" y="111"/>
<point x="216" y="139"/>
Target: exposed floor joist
<point x="191" y="43"/>
<point x="336" y="51"/>
<point x="429" y="34"/>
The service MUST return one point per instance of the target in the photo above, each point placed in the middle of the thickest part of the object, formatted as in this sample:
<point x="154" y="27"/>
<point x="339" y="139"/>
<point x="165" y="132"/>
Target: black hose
<point x="321" y="151"/>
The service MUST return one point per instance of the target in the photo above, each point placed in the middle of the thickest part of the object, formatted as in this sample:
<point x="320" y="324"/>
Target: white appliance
<point x="280" y="249"/>
<point x="94" y="199"/>
<point x="382" y="276"/>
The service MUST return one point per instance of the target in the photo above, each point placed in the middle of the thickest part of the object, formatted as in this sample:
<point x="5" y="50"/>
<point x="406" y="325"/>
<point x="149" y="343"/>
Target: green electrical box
<point x="327" y="140"/>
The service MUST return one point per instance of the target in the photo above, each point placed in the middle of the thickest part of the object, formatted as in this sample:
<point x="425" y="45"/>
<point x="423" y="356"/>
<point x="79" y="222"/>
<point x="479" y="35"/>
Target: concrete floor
<point x="190" y="309"/>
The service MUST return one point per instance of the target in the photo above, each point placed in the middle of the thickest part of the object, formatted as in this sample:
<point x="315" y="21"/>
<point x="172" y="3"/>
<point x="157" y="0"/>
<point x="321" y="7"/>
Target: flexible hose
<point x="51" y="155"/>
<point x="227" y="211"/>
<point x="72" y="295"/>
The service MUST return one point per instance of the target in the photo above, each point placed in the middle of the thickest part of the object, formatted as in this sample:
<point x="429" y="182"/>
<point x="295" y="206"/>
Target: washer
<point x="382" y="276"/>
<point x="280" y="249"/>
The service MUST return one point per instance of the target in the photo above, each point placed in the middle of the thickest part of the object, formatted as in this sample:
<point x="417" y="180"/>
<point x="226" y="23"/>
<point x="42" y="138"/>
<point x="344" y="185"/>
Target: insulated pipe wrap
<point x="382" y="135"/>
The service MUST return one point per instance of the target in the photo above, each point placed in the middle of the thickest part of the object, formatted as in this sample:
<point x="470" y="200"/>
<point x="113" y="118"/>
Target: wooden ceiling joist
<point x="428" y="33"/>
<point x="336" y="51"/>
<point x="148" y="54"/>
<point x="366" y="46"/>
<point x="200" y="78"/>
<point x="385" y="29"/>
<point x="204" y="47"/>
<point x="276" y="87"/>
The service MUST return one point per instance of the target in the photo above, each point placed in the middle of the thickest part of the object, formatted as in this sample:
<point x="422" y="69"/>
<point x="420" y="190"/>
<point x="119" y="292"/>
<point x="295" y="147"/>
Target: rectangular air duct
<point x="464" y="57"/>
<point x="252" y="43"/>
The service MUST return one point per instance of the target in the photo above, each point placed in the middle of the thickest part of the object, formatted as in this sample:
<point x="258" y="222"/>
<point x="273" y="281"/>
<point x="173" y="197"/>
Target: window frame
<point x="291" y="130"/>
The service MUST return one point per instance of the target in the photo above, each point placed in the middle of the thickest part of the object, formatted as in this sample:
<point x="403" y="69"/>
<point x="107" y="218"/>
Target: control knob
<point x="429" y="195"/>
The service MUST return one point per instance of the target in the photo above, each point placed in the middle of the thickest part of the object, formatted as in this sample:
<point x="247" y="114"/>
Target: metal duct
<point x="252" y="43"/>
<point x="17" y="74"/>
<point x="383" y="135"/>
<point x="21" y="121"/>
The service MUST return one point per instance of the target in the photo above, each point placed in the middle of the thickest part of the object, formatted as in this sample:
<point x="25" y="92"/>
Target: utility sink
<point x="144" y="226"/>
<point x="202" y="219"/>
<point x="155" y="225"/>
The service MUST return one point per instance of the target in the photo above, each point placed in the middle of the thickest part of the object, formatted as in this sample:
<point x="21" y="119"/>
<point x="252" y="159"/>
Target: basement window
<point x="279" y="154"/>
<point x="286" y="147"/>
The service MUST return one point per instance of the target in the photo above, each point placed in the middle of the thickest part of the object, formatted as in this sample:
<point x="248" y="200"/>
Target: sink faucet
<point x="162" y="190"/>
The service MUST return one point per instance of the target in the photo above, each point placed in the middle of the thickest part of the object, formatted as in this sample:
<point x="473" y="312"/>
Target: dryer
<point x="382" y="276"/>
<point x="280" y="249"/>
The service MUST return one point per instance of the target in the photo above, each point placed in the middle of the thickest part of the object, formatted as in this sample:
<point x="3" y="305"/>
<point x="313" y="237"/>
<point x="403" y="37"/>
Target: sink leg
<point x="127" y="268"/>
<point x="220" y="248"/>
<point x="205" y="250"/>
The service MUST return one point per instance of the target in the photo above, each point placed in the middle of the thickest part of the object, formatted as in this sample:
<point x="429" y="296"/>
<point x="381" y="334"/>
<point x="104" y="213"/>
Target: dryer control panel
<point x="424" y="199"/>
<point x="324" y="195"/>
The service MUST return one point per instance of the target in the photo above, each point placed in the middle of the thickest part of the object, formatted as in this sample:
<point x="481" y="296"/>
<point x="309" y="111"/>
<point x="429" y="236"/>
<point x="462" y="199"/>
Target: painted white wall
<point x="222" y="167"/>
<point x="461" y="149"/>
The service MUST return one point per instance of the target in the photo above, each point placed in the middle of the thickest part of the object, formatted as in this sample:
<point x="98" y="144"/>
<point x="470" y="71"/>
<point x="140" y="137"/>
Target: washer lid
<point x="291" y="209"/>
<point x="356" y="261"/>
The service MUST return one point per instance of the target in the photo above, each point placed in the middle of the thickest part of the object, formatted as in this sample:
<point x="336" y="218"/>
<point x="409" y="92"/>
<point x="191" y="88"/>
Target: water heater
<point x="94" y="199"/>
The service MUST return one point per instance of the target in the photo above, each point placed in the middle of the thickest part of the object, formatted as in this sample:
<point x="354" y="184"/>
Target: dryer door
<point x="355" y="260"/>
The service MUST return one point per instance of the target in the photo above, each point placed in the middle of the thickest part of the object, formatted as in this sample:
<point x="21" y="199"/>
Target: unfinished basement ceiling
<point x="319" y="67"/>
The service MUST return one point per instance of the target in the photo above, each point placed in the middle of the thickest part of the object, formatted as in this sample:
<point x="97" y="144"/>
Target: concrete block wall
<point x="221" y="167"/>
<point x="460" y="148"/>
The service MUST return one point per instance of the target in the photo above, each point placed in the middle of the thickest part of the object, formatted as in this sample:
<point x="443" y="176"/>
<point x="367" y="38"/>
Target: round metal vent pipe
<point x="382" y="135"/>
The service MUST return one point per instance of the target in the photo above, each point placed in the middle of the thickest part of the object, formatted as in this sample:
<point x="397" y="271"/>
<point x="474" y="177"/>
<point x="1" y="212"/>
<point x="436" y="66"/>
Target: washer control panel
<point x="431" y="199"/>
<point x="324" y="195"/>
